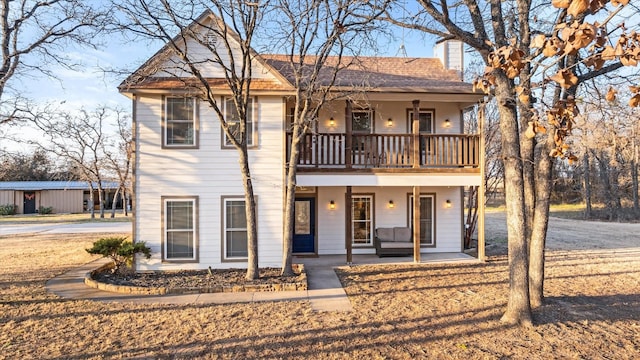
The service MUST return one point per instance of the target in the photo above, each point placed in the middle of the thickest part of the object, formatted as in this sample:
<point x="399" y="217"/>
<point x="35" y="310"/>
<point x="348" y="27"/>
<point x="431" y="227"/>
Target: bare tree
<point x="516" y="48"/>
<point x="118" y="156"/>
<point x="34" y="166"/>
<point x="36" y="36"/>
<point x="79" y="139"/>
<point x="607" y="139"/>
<point x="226" y="35"/>
<point x="318" y="36"/>
<point x="493" y="167"/>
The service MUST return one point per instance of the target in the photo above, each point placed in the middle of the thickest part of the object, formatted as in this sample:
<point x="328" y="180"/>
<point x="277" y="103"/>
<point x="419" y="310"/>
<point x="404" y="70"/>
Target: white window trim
<point x="165" y="229"/>
<point x="225" y="200"/>
<point x="251" y="141"/>
<point x="353" y="221"/>
<point x="194" y="121"/>
<point x="433" y="218"/>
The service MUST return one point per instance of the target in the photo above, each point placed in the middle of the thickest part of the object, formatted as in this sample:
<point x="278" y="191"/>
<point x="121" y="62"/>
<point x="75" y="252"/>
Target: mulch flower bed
<point x="196" y="281"/>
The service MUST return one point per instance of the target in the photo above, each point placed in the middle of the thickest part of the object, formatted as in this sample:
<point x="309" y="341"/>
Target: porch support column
<point x="348" y="139"/>
<point x="349" y="225"/>
<point x="415" y="131"/>
<point x="416" y="224"/>
<point x="481" y="189"/>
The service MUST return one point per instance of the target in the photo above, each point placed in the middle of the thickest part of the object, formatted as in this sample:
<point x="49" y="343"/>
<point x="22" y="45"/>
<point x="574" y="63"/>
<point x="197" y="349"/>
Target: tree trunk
<point x="125" y="203"/>
<point x="91" y="202"/>
<point x="290" y="201"/>
<point x="544" y="170"/>
<point x="114" y="202"/>
<point x="587" y="185"/>
<point x="606" y="184"/>
<point x="615" y="192"/>
<point x="101" y="199"/>
<point x="250" y="212"/>
<point x="634" y="178"/>
<point x="518" y="307"/>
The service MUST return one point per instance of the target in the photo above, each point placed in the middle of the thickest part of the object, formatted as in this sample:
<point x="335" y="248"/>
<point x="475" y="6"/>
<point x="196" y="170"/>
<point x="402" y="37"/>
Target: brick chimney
<point x="451" y="54"/>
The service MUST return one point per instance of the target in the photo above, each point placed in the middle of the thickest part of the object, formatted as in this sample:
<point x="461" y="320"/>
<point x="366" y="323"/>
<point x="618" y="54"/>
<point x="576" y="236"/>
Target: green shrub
<point x="120" y="251"/>
<point x="45" y="210"/>
<point x="8" y="209"/>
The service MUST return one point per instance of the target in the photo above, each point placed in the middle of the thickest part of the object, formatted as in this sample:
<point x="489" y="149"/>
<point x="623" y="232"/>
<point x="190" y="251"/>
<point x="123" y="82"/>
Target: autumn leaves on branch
<point x="566" y="39"/>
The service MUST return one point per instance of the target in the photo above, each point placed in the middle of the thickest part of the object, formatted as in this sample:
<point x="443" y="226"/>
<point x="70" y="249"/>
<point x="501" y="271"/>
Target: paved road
<point x="97" y="227"/>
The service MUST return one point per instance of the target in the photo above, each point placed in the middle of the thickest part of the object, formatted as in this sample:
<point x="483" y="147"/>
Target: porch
<point x="330" y="261"/>
<point x="390" y="152"/>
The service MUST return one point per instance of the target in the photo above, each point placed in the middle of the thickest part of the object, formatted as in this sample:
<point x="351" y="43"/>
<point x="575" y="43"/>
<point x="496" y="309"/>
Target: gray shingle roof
<point x="393" y="74"/>
<point x="52" y="185"/>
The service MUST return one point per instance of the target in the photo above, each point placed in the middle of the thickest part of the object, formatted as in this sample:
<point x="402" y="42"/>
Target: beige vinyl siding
<point x="62" y="201"/>
<point x="6" y="197"/>
<point x="19" y="198"/>
<point x="209" y="173"/>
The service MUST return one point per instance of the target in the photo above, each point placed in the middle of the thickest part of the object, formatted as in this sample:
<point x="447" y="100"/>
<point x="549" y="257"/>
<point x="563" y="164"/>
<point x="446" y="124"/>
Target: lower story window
<point x="362" y="219"/>
<point x="427" y="237"/>
<point x="180" y="237"/>
<point x="234" y="228"/>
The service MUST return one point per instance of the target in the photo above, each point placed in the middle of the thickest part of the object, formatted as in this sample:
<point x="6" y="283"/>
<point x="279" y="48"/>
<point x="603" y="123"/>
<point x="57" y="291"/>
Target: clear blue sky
<point x="90" y="87"/>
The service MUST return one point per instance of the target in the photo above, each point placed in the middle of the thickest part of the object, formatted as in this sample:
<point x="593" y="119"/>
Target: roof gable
<point x="165" y="69"/>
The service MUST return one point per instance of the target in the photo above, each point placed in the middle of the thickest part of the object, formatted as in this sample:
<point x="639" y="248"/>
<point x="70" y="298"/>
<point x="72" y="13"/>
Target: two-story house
<point x="359" y="168"/>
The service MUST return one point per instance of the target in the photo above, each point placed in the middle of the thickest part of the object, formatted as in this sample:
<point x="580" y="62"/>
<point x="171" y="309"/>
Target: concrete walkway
<point x="325" y="291"/>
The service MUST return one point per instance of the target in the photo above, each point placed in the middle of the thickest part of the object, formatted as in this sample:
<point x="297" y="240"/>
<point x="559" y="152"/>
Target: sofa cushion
<point x="384" y="234"/>
<point x="396" y="245"/>
<point x="402" y="234"/>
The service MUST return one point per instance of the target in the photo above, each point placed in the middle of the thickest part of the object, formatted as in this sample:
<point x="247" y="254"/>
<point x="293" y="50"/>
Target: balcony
<point x="388" y="152"/>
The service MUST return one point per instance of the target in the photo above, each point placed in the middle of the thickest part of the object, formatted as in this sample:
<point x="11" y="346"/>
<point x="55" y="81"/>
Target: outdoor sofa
<point x="394" y="241"/>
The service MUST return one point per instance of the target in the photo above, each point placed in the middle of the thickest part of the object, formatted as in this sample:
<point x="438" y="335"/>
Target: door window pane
<point x="302" y="218"/>
<point x="361" y="207"/>
<point x="425" y="118"/>
<point x="426" y="219"/>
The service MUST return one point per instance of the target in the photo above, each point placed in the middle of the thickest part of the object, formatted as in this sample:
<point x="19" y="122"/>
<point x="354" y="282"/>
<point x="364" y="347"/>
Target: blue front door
<point x="304" y="226"/>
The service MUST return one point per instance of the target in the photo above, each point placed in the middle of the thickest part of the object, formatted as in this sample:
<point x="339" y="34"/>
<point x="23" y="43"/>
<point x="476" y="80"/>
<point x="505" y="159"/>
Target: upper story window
<point x="232" y="117"/>
<point x="211" y="38"/>
<point x="362" y="121"/>
<point x="426" y="121"/>
<point x="180" y="125"/>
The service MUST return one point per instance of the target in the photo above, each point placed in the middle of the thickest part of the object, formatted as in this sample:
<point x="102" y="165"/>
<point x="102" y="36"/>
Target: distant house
<point x="359" y="168"/>
<point x="61" y="196"/>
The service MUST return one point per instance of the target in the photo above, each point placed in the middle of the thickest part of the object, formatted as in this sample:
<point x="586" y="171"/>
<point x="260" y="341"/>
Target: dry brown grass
<point x="401" y="312"/>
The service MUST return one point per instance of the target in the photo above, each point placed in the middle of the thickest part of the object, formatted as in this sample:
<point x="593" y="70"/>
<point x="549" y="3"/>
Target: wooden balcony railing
<point x="329" y="151"/>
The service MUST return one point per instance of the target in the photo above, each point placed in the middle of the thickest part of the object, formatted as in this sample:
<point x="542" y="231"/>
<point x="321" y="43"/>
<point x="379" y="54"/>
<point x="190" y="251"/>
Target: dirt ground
<point x="429" y="311"/>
